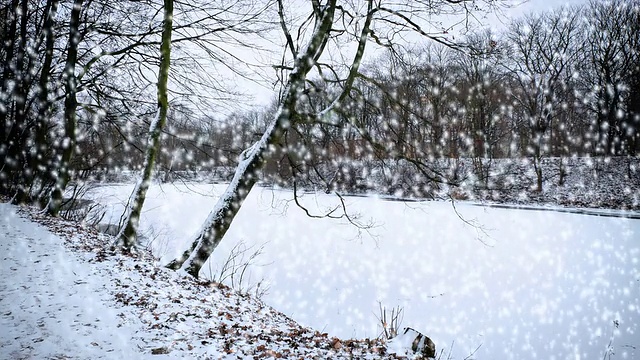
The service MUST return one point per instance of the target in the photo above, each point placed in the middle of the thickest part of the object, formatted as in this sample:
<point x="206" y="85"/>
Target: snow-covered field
<point x="516" y="283"/>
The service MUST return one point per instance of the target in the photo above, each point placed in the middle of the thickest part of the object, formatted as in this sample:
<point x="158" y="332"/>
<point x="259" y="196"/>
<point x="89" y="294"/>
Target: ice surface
<point x="538" y="284"/>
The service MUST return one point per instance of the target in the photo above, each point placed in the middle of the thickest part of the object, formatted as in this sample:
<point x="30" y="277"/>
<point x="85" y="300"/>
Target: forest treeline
<point x="77" y="94"/>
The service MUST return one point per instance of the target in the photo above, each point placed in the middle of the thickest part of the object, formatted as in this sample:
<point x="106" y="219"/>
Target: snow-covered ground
<point x="516" y="283"/>
<point x="63" y="296"/>
<point x="51" y="306"/>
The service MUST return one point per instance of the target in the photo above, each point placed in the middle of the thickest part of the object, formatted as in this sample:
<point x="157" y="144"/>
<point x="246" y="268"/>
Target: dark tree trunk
<point x="42" y="153"/>
<point x="537" y="156"/>
<point x="70" y="104"/>
<point x="7" y="130"/>
<point x="32" y="161"/>
<point x="9" y="38"/>
<point x="17" y="146"/>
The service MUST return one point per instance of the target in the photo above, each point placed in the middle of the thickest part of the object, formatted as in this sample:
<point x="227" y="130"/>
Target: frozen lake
<point x="518" y="284"/>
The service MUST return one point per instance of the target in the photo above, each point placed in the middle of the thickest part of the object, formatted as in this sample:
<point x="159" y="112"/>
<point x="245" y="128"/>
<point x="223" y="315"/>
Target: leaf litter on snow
<point x="181" y="317"/>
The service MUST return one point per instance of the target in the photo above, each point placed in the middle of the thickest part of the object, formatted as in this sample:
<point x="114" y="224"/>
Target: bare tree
<point x="197" y="32"/>
<point x="34" y="170"/>
<point x="60" y="97"/>
<point x="15" y="85"/>
<point x="9" y="37"/>
<point x="67" y="145"/>
<point x="612" y="58"/>
<point x="479" y="80"/>
<point x="355" y="21"/>
<point x="127" y="234"/>
<point x="544" y="51"/>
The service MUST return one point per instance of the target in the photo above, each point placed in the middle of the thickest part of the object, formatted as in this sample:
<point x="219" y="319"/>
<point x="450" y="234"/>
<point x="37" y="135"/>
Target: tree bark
<point x="7" y="73"/>
<point x="44" y="104"/>
<point x="252" y="159"/>
<point x="70" y="105"/>
<point x="34" y="170"/>
<point x="537" y="157"/>
<point x="8" y="127"/>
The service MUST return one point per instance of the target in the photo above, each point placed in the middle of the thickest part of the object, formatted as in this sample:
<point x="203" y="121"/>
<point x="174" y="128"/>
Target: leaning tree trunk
<point x="70" y="104"/>
<point x="252" y="159"/>
<point x="127" y="235"/>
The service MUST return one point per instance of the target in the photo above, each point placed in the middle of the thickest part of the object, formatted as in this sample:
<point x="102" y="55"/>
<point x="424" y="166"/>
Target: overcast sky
<point x="541" y="5"/>
<point x="263" y="94"/>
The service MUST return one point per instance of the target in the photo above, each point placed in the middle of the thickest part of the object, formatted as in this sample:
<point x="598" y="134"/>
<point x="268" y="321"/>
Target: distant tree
<point x="612" y="57"/>
<point x="439" y="76"/>
<point x="544" y="51"/>
<point x="480" y="78"/>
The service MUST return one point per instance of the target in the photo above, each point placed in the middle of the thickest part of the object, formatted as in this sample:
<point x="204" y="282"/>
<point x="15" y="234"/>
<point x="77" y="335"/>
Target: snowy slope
<point x="50" y="304"/>
<point x="64" y="296"/>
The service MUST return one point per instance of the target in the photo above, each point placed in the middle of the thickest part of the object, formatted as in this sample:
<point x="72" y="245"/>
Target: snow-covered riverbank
<point x="62" y="296"/>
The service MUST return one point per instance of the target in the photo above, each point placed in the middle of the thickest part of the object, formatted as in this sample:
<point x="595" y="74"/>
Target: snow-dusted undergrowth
<point x="611" y="183"/>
